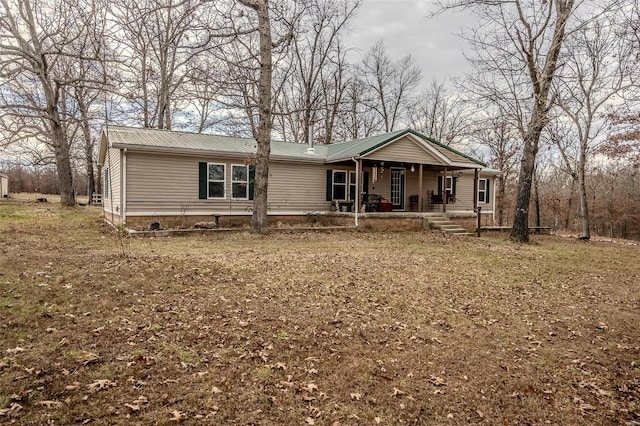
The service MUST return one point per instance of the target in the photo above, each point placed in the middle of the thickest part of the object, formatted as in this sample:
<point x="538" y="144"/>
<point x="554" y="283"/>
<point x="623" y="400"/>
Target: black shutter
<point x="365" y="183"/>
<point x="252" y="178"/>
<point x="202" y="181"/>
<point x="453" y="185"/>
<point x="329" y="185"/>
<point x="486" y="197"/>
<point x="439" y="185"/>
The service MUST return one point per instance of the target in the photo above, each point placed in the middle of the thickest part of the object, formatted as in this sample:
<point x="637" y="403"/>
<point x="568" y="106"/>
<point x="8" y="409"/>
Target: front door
<point x="397" y="188"/>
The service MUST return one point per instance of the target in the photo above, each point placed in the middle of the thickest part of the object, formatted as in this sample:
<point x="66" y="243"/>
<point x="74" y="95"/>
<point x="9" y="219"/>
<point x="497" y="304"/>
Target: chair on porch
<point x="372" y="203"/>
<point x="413" y="202"/>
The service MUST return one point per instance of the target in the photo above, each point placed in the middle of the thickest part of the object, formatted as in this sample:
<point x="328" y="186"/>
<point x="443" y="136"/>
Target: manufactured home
<point x="164" y="175"/>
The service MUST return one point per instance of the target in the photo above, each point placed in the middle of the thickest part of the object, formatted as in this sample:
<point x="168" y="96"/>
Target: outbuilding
<point x="4" y="185"/>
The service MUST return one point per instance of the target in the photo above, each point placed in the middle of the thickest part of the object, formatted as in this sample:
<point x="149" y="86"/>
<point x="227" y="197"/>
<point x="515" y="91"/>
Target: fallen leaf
<point x="437" y="381"/>
<point x="73" y="386"/>
<point x="101" y="384"/>
<point x="216" y="389"/>
<point x="15" y="350"/>
<point x="85" y="357"/>
<point x="310" y="421"/>
<point x="397" y="392"/>
<point x="178" y="416"/>
<point x="356" y="396"/>
<point x="50" y="404"/>
<point x="133" y="407"/>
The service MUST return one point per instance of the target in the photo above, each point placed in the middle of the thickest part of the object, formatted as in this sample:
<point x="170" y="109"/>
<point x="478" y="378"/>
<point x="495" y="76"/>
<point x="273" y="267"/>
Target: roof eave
<point x="224" y="154"/>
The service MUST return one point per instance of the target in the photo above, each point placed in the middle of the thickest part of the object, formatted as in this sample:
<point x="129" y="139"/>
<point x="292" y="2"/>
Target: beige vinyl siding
<point x="404" y="150"/>
<point x="298" y="187"/>
<point x="4" y="185"/>
<point x="161" y="184"/>
<point x="464" y="194"/>
<point x="452" y="155"/>
<point x="464" y="191"/>
<point x="111" y="203"/>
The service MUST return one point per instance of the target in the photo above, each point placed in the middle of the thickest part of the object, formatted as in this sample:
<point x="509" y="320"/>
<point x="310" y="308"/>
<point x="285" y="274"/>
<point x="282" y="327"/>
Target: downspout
<point x="493" y="203"/>
<point x="123" y="186"/>
<point x="357" y="200"/>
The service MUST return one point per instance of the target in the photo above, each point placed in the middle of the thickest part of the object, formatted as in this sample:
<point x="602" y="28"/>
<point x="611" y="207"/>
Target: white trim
<point x="346" y="184"/>
<point x="211" y="212"/>
<point x="224" y="181"/>
<point x="232" y="182"/>
<point x="354" y="184"/>
<point x="493" y="202"/>
<point x="403" y="191"/>
<point x="484" y="191"/>
<point x="418" y="141"/>
<point x="123" y="184"/>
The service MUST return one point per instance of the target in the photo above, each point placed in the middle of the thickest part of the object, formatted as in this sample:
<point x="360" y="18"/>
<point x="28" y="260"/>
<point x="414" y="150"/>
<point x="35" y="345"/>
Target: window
<point x="216" y="180"/>
<point x="240" y="182"/>
<point x="105" y="186"/>
<point x="352" y="186"/>
<point x="449" y="185"/>
<point x="339" y="185"/>
<point x="483" y="190"/>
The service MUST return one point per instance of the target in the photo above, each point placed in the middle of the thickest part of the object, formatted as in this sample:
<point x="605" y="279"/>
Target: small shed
<point x="4" y="186"/>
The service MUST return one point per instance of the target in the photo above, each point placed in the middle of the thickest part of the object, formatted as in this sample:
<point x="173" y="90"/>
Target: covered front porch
<point x="404" y="172"/>
<point x="396" y="187"/>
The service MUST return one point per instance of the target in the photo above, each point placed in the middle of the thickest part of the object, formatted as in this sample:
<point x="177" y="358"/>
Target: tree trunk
<point x="500" y="200"/>
<point x="567" y="220"/>
<point x="584" y="206"/>
<point x="263" y="137"/>
<point x="520" y="229"/>
<point x="63" y="164"/>
<point x="536" y="182"/>
<point x="91" y="182"/>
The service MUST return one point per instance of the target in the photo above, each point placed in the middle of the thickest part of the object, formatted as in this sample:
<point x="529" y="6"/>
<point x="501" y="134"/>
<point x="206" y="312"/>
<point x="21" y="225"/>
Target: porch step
<point x="441" y="222"/>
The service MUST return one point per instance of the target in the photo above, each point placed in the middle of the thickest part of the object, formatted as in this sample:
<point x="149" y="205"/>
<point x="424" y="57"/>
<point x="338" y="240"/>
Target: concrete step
<point x="442" y="222"/>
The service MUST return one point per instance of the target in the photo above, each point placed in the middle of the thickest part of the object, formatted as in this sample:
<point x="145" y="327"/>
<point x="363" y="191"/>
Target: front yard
<point x="339" y="328"/>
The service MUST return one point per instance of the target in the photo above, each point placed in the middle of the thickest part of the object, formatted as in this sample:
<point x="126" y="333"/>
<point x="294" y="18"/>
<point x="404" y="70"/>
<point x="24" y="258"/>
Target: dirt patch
<point x="312" y="328"/>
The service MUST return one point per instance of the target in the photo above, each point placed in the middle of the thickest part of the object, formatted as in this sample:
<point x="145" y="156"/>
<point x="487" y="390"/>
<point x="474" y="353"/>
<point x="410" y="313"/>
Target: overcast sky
<point x="405" y="29"/>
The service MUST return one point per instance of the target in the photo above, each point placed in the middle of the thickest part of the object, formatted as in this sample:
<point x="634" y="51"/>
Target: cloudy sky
<point x="404" y="26"/>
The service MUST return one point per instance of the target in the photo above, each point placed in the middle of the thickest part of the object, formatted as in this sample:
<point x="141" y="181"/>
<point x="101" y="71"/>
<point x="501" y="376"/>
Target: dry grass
<point x="312" y="328"/>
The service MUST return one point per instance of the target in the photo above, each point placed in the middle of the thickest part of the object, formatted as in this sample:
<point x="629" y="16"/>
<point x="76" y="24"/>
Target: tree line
<point x="551" y="75"/>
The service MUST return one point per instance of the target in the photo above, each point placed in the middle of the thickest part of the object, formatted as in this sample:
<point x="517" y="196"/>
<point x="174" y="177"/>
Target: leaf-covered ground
<point x="341" y="328"/>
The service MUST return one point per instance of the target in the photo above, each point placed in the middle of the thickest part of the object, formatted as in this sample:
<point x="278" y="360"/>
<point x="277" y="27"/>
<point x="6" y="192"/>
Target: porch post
<point x="359" y="184"/>
<point x="444" y="191"/>
<point x="420" y="187"/>
<point x="476" y="173"/>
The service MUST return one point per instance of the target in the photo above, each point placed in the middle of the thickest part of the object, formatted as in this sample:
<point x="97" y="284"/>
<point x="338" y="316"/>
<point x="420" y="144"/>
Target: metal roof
<point x="178" y="141"/>
<point x="185" y="141"/>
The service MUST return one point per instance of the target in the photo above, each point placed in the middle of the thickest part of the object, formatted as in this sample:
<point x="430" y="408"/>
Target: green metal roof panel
<point x="357" y="147"/>
<point x="185" y="141"/>
<point x="188" y="142"/>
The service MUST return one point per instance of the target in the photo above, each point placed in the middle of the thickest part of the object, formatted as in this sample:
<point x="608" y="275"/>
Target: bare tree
<point x="263" y="132"/>
<point x="316" y="50"/>
<point x="516" y="48"/>
<point x="439" y="115"/>
<point x="37" y="45"/>
<point x="355" y="119"/>
<point x="159" y="40"/>
<point x="500" y="138"/>
<point x="392" y="84"/>
<point x="596" y="68"/>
